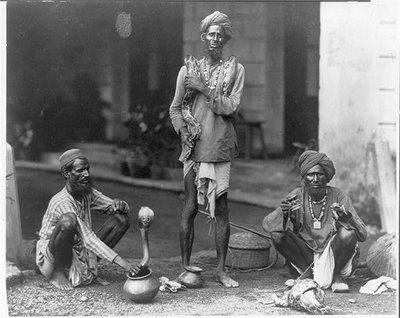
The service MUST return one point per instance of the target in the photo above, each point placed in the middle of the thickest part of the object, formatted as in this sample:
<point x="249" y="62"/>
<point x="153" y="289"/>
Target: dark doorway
<point x="155" y="52"/>
<point x="302" y="30"/>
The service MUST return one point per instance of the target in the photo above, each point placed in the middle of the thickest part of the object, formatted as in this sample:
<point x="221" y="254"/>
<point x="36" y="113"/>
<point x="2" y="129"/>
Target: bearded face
<point x="214" y="41"/>
<point x="78" y="177"/>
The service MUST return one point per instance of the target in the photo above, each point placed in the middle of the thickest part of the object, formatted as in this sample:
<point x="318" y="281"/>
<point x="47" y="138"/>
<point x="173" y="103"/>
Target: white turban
<point x="217" y="18"/>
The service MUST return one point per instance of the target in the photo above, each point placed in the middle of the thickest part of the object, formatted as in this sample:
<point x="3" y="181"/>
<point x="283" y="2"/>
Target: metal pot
<point x="141" y="288"/>
<point x="191" y="277"/>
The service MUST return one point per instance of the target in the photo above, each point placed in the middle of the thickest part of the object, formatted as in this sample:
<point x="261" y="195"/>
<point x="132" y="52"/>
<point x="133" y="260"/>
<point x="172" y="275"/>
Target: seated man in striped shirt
<point x="68" y="249"/>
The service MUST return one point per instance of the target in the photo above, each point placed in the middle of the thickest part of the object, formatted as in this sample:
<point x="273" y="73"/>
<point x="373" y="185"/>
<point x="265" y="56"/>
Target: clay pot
<point x="141" y="288"/>
<point x="191" y="277"/>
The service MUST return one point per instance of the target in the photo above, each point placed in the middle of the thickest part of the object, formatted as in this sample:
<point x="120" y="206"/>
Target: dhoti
<point x="212" y="180"/>
<point x="324" y="266"/>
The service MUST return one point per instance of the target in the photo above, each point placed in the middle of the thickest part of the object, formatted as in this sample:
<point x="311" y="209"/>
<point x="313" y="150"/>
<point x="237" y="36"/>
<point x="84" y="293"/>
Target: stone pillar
<point x="13" y="218"/>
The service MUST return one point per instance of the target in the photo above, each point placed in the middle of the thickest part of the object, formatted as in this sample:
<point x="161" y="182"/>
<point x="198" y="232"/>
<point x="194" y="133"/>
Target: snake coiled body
<point x="193" y="126"/>
<point x="193" y="67"/>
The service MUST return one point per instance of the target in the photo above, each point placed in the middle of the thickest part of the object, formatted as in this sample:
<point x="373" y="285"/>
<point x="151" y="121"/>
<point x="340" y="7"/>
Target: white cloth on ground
<point x="378" y="285"/>
<point x="212" y="180"/>
<point x="324" y="266"/>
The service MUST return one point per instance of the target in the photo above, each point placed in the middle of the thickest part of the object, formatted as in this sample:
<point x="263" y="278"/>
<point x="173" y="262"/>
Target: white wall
<point x="359" y="94"/>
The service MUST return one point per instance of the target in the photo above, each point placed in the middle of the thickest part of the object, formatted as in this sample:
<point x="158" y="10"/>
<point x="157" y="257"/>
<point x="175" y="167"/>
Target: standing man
<point x="67" y="248"/>
<point x="317" y="224"/>
<point x="205" y="105"/>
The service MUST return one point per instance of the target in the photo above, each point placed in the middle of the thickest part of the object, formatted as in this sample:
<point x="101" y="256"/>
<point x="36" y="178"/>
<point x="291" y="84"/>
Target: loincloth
<point x="324" y="266"/>
<point x="212" y="180"/>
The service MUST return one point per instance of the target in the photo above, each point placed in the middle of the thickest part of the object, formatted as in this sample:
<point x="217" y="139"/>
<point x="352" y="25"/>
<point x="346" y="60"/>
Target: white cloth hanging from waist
<point x="212" y="180"/>
<point x="324" y="266"/>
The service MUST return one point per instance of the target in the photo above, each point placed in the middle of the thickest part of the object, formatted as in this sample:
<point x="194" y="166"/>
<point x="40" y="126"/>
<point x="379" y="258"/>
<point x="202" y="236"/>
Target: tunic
<point x="87" y="245"/>
<point x="216" y="115"/>
<point x="316" y="239"/>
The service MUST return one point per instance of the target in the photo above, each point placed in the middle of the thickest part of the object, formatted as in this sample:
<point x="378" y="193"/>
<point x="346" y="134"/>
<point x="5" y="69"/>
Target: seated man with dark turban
<point x="68" y="249"/>
<point x="317" y="223"/>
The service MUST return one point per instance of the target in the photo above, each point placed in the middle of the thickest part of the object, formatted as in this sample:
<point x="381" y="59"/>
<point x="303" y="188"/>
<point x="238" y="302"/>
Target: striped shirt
<point x="63" y="202"/>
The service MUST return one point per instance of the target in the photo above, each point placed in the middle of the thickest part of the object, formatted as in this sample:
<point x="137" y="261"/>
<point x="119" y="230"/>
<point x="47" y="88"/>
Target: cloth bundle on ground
<point x="305" y="295"/>
<point x="379" y="285"/>
<point x="169" y="285"/>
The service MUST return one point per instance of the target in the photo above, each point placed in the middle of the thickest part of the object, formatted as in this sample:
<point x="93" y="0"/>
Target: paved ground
<point x="36" y="187"/>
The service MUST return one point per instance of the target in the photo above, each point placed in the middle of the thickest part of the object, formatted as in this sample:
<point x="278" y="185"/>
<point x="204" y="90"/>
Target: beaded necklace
<point x="317" y="221"/>
<point x="207" y="75"/>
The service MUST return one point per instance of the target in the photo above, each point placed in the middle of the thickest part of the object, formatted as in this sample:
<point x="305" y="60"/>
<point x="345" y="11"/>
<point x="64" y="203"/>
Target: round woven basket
<point x="382" y="256"/>
<point x="247" y="251"/>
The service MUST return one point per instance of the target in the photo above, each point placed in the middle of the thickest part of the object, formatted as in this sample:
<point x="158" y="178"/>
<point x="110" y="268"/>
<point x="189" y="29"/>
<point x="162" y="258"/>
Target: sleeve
<point x="355" y="221"/>
<point x="88" y="237"/>
<point x="100" y="202"/>
<point x="228" y="105"/>
<point x="93" y="243"/>
<point x="175" y="110"/>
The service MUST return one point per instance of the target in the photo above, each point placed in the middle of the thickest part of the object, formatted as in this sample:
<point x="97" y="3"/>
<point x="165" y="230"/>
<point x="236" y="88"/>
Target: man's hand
<point x="185" y="137"/>
<point x="339" y="212"/>
<point x="128" y="268"/>
<point x="133" y="269"/>
<point x="120" y="206"/>
<point x="195" y="83"/>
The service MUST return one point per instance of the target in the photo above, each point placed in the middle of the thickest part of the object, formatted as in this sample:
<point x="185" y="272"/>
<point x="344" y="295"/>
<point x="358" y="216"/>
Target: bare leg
<point x="113" y="229"/>
<point x="189" y="212"/>
<point x="293" y="248"/>
<point x="60" y="245"/>
<point x="343" y="246"/>
<point x="222" y="231"/>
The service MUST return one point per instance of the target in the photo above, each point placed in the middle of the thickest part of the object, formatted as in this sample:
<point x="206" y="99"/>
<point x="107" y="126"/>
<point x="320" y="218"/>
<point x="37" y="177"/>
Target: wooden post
<point x="13" y="218"/>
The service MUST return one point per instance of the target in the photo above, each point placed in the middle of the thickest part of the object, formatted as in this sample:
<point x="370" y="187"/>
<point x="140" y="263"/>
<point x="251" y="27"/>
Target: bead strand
<point x="207" y="77"/>
<point x="310" y="203"/>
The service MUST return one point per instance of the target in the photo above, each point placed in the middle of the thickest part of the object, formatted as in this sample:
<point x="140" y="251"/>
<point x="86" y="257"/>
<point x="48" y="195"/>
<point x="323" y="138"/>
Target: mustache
<point x="82" y="188"/>
<point x="214" y="53"/>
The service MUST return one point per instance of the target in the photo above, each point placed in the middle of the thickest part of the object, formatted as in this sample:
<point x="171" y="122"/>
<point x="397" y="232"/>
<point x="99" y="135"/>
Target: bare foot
<point x="226" y="280"/>
<point x="60" y="281"/>
<point x="339" y="285"/>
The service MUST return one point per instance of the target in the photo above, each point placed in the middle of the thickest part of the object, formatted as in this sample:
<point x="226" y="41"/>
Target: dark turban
<point x="70" y="155"/>
<point x="217" y="18"/>
<point x="311" y="158"/>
